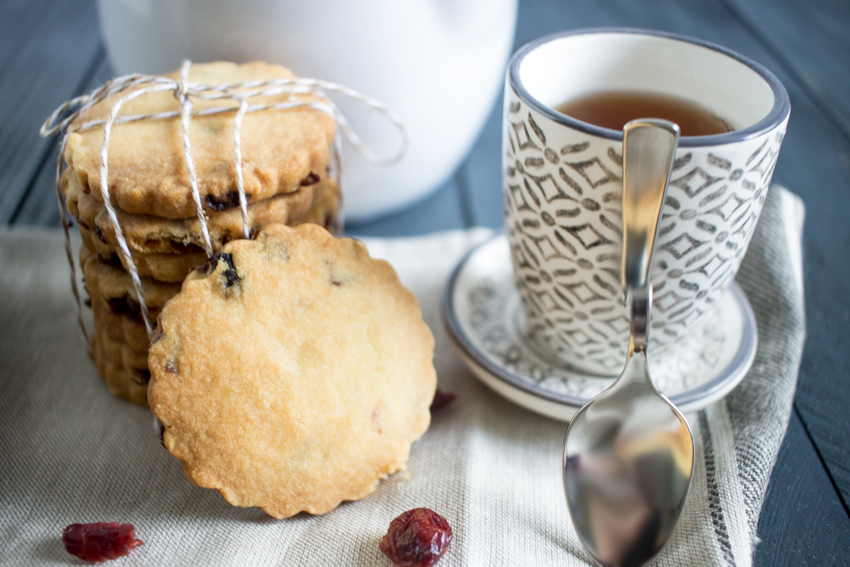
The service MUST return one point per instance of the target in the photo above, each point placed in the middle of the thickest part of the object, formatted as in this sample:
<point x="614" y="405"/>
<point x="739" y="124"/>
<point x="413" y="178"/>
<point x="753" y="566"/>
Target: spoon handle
<point x="649" y="146"/>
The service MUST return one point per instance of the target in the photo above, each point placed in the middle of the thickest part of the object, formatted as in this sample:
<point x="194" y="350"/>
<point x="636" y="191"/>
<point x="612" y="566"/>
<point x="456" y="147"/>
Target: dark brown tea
<point x="613" y="109"/>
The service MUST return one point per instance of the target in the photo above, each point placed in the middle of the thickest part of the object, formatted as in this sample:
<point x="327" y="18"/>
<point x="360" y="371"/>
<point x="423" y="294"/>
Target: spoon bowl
<point x="629" y="453"/>
<point x="628" y="461"/>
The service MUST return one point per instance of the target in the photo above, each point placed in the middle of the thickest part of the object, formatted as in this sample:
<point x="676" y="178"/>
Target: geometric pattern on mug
<point x="564" y="222"/>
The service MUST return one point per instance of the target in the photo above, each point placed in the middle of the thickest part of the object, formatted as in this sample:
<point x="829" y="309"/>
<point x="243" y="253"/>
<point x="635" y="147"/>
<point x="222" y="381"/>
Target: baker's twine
<point x="62" y="120"/>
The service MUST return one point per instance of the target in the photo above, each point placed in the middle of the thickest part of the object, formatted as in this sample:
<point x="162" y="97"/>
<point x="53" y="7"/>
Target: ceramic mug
<point x="563" y="186"/>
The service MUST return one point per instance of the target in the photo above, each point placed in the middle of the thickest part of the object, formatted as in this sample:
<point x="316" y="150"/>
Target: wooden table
<point x="51" y="51"/>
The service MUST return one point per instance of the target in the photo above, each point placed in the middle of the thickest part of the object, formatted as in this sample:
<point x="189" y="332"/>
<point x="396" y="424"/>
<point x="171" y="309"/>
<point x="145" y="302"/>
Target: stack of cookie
<point x="285" y="157"/>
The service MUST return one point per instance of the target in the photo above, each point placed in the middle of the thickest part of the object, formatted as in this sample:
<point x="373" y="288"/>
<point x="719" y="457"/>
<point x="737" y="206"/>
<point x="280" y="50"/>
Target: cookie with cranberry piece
<point x="174" y="266"/>
<point x="292" y="372"/>
<point x="282" y="150"/>
<point x="115" y="286"/>
<point x="123" y="382"/>
<point x="149" y="234"/>
<point x="125" y="327"/>
<point x="124" y="355"/>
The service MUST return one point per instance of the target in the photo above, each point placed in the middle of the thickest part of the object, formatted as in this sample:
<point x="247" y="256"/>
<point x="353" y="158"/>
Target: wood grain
<point x="47" y="50"/>
<point x="815" y="163"/>
<point x="812" y="46"/>
<point x="793" y="499"/>
<point x="39" y="205"/>
<point x="811" y="40"/>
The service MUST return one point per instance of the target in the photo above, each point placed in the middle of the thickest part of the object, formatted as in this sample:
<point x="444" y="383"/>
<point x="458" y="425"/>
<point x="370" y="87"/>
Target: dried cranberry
<point x="224" y="202"/>
<point x="111" y="260"/>
<point x="139" y="376"/>
<point x="441" y="400"/>
<point x="311" y="179"/>
<point x="231" y="277"/>
<point x="125" y="305"/>
<point x="417" y="538"/>
<point x="208" y="267"/>
<point x="100" y="541"/>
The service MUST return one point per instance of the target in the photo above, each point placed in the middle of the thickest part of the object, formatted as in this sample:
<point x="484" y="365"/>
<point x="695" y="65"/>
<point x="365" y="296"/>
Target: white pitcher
<point x="437" y="63"/>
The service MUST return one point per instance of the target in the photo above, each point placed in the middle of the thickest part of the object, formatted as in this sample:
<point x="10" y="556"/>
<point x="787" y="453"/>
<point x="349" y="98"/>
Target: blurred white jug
<point x="438" y="64"/>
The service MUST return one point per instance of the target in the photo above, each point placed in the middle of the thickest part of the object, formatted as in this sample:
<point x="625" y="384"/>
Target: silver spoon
<point x="629" y="453"/>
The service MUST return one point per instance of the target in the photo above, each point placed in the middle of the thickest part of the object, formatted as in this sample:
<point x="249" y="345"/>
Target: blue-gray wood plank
<point x="811" y="40"/>
<point x="50" y="51"/>
<point x="799" y="493"/>
<point x="811" y="43"/>
<point x="35" y="208"/>
<point x="46" y="54"/>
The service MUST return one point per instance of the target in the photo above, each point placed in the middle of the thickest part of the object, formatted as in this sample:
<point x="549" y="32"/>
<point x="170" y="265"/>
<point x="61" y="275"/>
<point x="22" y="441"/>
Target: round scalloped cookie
<point x="123" y="327"/>
<point x="174" y="267"/>
<point x="115" y="286"/>
<point x="122" y="354"/>
<point x="281" y="149"/>
<point x="149" y="234"/>
<point x="130" y="384"/>
<point x="293" y="373"/>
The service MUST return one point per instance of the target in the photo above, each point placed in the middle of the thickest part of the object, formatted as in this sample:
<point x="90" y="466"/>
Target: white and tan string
<point x="186" y="106"/>
<point x="240" y="182"/>
<point x="63" y="118"/>
<point x="69" y="252"/>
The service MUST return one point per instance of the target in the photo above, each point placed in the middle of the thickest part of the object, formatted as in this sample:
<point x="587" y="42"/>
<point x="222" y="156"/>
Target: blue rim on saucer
<point x="483" y="314"/>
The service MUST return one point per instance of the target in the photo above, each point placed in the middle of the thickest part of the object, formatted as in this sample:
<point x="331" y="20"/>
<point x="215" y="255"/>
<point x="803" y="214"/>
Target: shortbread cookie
<point x="175" y="267"/>
<point x="114" y="285"/>
<point x="293" y="372"/>
<point x="327" y="203"/>
<point x="282" y="150"/>
<point x="122" y="354"/>
<point x="149" y="234"/>
<point x="163" y="267"/>
<point x="121" y="326"/>
<point x="123" y="383"/>
<point x="113" y="301"/>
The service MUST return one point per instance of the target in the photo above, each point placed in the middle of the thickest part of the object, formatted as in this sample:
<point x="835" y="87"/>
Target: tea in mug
<point x="613" y="109"/>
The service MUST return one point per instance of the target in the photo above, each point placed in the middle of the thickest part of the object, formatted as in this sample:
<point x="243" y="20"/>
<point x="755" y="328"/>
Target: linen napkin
<point x="70" y="452"/>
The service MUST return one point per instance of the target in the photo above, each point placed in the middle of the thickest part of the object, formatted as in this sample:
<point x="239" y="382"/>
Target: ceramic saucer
<point x="484" y="317"/>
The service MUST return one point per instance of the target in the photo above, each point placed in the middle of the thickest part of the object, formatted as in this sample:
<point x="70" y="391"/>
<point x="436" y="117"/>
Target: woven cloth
<point x="70" y="452"/>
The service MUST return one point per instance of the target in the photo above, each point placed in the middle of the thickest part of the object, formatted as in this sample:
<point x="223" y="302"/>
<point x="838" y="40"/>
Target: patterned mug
<point x="563" y="182"/>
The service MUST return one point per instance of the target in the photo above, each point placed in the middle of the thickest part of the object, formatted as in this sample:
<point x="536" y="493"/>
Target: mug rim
<point x="778" y="113"/>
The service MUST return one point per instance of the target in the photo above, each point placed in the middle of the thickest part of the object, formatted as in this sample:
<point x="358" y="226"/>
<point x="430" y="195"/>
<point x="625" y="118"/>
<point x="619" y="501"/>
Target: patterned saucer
<point x="483" y="314"/>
